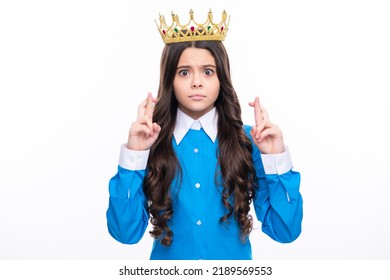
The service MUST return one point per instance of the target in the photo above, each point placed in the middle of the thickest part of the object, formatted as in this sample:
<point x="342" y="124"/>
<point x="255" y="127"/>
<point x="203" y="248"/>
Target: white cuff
<point x="277" y="163"/>
<point x="133" y="160"/>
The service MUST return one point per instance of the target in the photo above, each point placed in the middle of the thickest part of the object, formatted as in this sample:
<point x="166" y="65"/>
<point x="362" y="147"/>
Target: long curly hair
<point x="234" y="152"/>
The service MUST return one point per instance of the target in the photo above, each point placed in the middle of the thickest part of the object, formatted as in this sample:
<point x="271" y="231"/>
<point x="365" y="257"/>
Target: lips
<point x="197" y="96"/>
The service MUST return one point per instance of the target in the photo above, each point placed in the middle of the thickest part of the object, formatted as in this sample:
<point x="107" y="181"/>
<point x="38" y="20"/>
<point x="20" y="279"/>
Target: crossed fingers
<point x="145" y="111"/>
<point x="262" y="120"/>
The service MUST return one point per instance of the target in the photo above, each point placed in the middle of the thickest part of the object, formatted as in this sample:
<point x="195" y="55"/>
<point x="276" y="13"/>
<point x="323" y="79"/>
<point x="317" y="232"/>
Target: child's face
<point x="196" y="83"/>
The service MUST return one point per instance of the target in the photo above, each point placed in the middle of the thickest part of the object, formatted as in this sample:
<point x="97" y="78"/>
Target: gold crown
<point x="193" y="31"/>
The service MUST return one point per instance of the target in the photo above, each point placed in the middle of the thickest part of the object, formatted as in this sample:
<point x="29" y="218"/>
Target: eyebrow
<point x="189" y="66"/>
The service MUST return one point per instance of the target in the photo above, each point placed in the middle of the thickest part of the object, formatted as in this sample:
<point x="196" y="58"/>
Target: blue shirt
<point x="197" y="203"/>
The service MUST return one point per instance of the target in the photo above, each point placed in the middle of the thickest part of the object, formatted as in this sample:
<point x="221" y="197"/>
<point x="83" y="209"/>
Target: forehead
<point x="196" y="56"/>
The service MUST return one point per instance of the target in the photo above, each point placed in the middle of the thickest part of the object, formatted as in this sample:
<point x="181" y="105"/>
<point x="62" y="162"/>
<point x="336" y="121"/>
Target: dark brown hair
<point x="234" y="151"/>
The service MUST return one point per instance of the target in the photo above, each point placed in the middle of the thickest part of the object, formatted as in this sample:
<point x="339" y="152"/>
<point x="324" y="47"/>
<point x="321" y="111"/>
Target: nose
<point x="197" y="82"/>
<point x="194" y="85"/>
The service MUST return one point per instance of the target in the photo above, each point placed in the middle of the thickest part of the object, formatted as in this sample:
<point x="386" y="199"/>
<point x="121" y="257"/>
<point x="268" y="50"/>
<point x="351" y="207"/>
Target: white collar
<point x="184" y="123"/>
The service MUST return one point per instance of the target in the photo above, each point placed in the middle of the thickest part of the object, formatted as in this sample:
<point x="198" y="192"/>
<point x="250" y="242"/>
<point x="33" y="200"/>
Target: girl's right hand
<point x="144" y="132"/>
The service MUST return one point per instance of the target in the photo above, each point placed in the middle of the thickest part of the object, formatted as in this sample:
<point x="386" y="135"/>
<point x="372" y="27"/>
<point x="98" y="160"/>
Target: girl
<point x="193" y="168"/>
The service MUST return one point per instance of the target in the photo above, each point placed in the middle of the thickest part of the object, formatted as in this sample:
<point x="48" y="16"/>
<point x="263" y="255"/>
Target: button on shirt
<point x="197" y="206"/>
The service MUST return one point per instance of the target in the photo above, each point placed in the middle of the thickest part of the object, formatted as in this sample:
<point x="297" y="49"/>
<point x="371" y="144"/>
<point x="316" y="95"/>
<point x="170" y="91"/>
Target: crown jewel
<point x="193" y="31"/>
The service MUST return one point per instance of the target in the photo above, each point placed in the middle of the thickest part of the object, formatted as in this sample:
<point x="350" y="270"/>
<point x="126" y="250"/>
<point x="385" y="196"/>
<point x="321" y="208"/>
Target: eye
<point x="183" y="72"/>
<point x="208" y="72"/>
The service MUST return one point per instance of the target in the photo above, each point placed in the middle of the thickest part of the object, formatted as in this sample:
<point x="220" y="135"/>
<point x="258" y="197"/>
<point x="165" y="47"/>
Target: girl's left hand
<point x="267" y="136"/>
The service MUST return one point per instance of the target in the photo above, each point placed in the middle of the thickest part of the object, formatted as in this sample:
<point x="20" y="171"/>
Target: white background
<point x="72" y="74"/>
